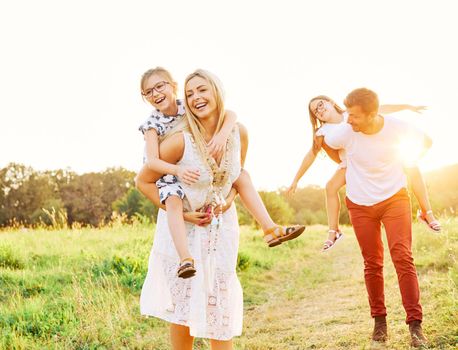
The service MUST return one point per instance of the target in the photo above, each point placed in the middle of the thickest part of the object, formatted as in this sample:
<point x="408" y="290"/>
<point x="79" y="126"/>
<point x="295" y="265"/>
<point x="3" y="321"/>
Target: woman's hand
<point x="229" y="200"/>
<point x="188" y="175"/>
<point x="221" y="209"/>
<point x="197" y="218"/>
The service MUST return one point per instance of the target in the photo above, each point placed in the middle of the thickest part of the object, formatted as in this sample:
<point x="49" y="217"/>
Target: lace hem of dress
<point x="208" y="315"/>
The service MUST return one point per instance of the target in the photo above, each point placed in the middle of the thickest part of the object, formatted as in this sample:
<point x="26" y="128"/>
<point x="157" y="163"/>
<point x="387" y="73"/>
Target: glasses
<point x="319" y="107"/>
<point x="159" y="87"/>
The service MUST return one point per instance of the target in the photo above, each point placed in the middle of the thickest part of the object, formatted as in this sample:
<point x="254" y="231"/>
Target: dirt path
<point x="319" y="301"/>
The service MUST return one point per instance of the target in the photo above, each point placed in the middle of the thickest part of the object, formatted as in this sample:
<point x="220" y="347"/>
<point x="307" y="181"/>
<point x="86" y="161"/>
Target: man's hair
<point x="365" y="98"/>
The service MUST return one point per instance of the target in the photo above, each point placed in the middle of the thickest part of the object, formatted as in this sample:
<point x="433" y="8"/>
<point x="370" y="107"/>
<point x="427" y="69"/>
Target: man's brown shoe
<point x="380" y="333"/>
<point x="416" y="333"/>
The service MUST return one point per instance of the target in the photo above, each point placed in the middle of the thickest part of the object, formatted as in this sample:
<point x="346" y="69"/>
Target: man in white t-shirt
<point x="377" y="194"/>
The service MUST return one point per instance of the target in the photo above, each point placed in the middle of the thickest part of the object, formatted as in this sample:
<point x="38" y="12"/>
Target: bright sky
<point x="70" y="73"/>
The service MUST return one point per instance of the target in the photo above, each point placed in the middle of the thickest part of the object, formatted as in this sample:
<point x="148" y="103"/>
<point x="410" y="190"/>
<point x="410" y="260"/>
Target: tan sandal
<point x="186" y="268"/>
<point x="277" y="234"/>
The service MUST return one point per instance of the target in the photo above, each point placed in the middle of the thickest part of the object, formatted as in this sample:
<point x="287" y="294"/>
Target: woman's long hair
<point x="195" y="126"/>
<point x="317" y="123"/>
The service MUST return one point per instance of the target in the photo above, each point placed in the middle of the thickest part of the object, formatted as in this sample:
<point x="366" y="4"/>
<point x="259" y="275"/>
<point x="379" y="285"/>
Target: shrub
<point x="243" y="261"/>
<point x="9" y="259"/>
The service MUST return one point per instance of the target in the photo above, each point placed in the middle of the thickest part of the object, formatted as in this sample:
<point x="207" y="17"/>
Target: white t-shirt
<point x="374" y="166"/>
<point x="328" y="128"/>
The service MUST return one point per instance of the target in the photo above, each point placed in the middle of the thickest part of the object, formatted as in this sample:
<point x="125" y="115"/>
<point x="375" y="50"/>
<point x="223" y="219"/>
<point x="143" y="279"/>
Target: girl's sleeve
<point x="153" y="122"/>
<point x="321" y="131"/>
<point x="338" y="138"/>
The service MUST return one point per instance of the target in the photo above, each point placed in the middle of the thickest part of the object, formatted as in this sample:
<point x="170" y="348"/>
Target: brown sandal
<point x="186" y="268"/>
<point x="277" y="234"/>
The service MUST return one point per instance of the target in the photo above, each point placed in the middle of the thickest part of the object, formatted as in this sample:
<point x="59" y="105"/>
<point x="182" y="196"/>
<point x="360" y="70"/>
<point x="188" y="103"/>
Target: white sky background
<point x="70" y="71"/>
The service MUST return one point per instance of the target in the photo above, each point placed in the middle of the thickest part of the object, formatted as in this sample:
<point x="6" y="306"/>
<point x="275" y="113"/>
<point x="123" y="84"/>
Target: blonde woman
<point x="160" y="90"/>
<point x="210" y="305"/>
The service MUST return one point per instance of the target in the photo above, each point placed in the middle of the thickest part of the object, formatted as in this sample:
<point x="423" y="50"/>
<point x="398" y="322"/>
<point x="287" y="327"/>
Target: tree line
<point x="30" y="197"/>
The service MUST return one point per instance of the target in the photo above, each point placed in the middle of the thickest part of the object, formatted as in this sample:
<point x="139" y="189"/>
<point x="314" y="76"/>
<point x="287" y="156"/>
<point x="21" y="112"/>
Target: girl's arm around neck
<point x="218" y="142"/>
<point x="230" y="118"/>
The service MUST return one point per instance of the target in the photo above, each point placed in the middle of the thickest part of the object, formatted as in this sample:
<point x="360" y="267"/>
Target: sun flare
<point x="410" y="150"/>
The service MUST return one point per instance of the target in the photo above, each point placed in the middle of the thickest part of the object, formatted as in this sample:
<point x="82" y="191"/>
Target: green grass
<point x="80" y="290"/>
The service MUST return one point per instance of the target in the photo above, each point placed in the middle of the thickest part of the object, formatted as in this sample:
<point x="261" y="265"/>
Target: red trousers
<point x="395" y="215"/>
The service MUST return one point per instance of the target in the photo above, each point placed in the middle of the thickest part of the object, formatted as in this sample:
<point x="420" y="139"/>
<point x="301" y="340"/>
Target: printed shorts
<point x="168" y="185"/>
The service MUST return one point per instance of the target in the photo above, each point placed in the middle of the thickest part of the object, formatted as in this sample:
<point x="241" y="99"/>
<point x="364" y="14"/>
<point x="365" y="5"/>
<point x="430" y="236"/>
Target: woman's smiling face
<point x="200" y="97"/>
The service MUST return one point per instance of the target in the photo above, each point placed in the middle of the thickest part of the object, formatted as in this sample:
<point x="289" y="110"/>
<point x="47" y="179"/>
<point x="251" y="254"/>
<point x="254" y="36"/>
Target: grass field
<point x="79" y="289"/>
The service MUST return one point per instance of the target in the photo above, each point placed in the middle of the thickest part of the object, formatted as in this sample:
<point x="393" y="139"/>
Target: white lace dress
<point x="211" y="302"/>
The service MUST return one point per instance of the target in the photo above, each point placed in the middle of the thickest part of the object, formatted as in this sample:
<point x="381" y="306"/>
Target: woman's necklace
<point x="215" y="197"/>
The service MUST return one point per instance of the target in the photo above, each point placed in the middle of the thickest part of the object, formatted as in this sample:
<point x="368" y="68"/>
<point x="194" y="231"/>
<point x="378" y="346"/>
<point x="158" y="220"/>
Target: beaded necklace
<point x="215" y="195"/>
<point x="215" y="198"/>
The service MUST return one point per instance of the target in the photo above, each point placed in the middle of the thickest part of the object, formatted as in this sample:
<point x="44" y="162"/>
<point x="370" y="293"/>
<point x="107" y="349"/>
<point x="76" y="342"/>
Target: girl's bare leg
<point x="221" y="344"/>
<point x="273" y="234"/>
<point x="420" y="192"/>
<point x="333" y="201"/>
<point x="180" y="337"/>
<point x="174" y="207"/>
<point x="252" y="201"/>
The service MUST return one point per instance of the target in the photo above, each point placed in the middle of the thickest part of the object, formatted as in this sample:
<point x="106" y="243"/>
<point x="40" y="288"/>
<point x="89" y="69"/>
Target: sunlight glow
<point x="410" y="150"/>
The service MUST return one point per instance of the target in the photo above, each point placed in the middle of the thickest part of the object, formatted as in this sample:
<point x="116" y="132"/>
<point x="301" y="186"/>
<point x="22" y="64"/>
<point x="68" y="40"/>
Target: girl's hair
<point x="161" y="71"/>
<point x="317" y="123"/>
<point x="195" y="126"/>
